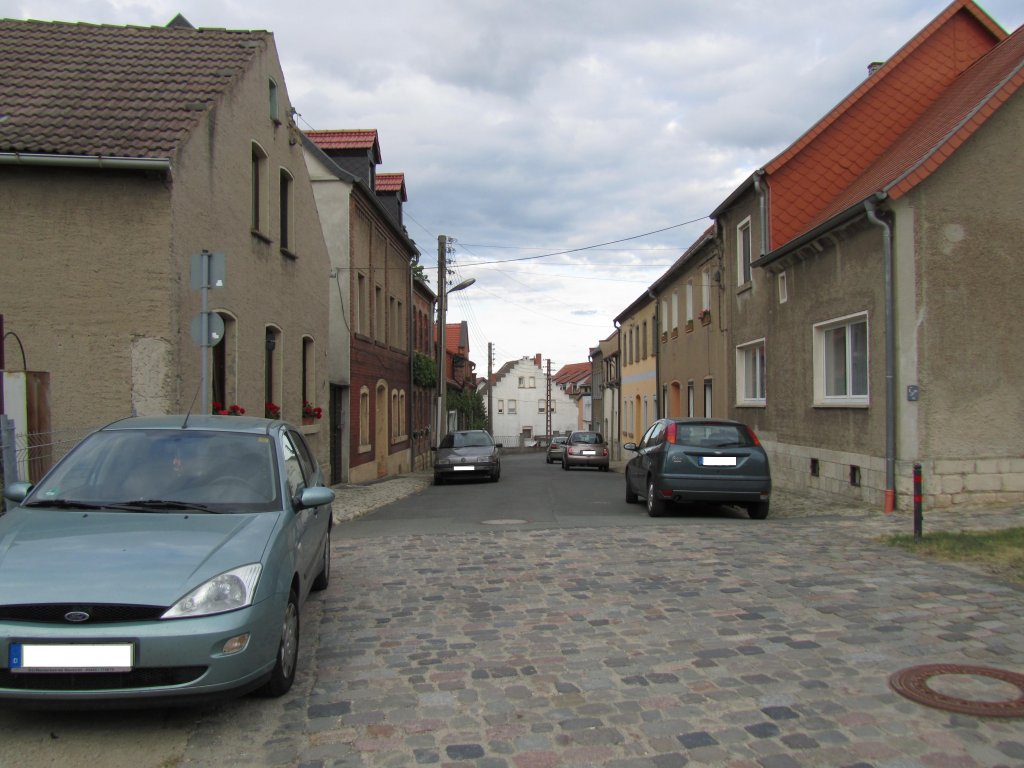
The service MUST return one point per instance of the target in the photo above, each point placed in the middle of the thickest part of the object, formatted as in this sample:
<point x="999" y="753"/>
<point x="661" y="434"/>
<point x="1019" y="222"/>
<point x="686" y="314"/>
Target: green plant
<point x="424" y="371"/>
<point x="470" y="407"/>
<point x="1000" y="552"/>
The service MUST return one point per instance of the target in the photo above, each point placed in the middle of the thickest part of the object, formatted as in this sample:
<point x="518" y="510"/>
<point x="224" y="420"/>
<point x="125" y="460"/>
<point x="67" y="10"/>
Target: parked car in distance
<point x="163" y="559"/>
<point x="556" y="449"/>
<point x="699" y="460"/>
<point x="585" y="449"/>
<point x="467" y="453"/>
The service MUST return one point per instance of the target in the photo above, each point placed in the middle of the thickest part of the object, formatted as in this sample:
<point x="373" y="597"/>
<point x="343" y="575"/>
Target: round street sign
<point x="216" y="329"/>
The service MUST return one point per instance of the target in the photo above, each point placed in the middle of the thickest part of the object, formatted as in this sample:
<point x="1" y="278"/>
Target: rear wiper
<point x="158" y="504"/>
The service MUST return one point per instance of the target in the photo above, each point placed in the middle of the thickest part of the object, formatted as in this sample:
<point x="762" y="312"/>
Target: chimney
<point x="536" y="360"/>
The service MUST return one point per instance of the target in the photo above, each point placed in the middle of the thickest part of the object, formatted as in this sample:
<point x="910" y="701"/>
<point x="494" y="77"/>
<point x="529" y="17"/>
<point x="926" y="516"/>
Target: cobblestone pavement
<point x="766" y="645"/>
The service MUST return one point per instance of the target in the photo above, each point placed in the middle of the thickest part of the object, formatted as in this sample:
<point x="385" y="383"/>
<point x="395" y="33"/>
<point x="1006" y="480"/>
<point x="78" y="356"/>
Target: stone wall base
<point x="945" y="482"/>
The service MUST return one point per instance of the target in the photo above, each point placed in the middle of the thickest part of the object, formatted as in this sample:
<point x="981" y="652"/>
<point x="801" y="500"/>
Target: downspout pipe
<point x="871" y="207"/>
<point x="656" y="334"/>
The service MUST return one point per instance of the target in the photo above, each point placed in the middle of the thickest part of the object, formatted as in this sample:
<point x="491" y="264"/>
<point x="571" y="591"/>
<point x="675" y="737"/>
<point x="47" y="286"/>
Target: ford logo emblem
<point x="76" y="617"/>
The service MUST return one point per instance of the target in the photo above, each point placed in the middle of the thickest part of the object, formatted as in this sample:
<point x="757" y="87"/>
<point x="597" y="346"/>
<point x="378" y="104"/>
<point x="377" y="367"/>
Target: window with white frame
<point x="743" y="251"/>
<point x="689" y="303"/>
<point x="705" y="290"/>
<point x="664" y="317"/>
<point x="783" y="288"/>
<point x="750" y="373"/>
<point x="511" y="406"/>
<point x="841" y="361"/>
<point x="675" y="310"/>
<point x="540" y="406"/>
<point x="501" y="406"/>
<point x="533" y="382"/>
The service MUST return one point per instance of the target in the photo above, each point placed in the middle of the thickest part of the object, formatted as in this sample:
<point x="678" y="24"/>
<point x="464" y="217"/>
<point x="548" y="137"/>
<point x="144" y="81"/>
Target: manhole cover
<point x="507" y="521"/>
<point x="913" y="683"/>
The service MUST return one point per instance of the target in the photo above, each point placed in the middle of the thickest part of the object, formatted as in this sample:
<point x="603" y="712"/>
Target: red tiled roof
<point x="354" y="138"/>
<point x="572" y="373"/>
<point x="947" y="124"/>
<point x="392" y="182"/>
<point x="86" y="89"/>
<point x="815" y="174"/>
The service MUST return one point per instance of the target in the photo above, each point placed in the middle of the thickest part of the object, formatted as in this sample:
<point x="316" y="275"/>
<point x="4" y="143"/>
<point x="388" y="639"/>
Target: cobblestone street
<point x="766" y="647"/>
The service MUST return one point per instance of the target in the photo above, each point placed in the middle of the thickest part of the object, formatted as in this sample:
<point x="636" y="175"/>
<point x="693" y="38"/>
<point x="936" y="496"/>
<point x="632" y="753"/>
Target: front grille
<point x="147" y="677"/>
<point x="98" y="614"/>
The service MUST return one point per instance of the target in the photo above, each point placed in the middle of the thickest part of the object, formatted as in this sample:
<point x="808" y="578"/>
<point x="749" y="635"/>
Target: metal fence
<point x="27" y="456"/>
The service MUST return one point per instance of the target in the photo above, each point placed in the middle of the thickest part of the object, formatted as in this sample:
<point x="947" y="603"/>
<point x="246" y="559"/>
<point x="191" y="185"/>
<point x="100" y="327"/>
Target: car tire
<point x="438" y="480"/>
<point x="496" y="476"/>
<point x="631" y="498"/>
<point x="655" y="504"/>
<point x="758" y="510"/>
<point x="324" y="577"/>
<point x="283" y="674"/>
<point x="565" y="465"/>
<point x="547" y="459"/>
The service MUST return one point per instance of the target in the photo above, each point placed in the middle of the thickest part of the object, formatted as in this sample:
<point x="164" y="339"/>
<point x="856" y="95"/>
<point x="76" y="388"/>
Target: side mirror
<point x="631" y="447"/>
<point x="316" y="496"/>
<point x="17" y="492"/>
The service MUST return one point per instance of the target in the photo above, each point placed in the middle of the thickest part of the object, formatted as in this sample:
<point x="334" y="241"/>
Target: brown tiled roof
<point x="573" y="373"/>
<point x="351" y="138"/>
<point x="86" y="89"/>
<point x="392" y="182"/>
<point x="814" y="175"/>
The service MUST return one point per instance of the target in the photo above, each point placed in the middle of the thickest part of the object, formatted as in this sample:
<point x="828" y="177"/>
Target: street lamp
<point x="442" y="340"/>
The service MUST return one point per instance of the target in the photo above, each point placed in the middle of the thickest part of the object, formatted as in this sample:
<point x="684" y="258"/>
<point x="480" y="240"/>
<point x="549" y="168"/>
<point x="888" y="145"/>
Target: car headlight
<point x="443" y="462"/>
<point x="227" y="592"/>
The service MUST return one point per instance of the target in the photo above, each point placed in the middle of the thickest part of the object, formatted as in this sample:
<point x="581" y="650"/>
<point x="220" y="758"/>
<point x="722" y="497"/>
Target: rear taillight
<point x="753" y="437"/>
<point x="670" y="433"/>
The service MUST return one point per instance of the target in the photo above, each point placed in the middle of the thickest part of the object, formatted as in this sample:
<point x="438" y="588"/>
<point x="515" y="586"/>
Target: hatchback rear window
<point x="713" y="435"/>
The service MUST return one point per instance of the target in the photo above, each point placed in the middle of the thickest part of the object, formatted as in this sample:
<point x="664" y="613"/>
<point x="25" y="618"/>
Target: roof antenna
<point x="191" y="406"/>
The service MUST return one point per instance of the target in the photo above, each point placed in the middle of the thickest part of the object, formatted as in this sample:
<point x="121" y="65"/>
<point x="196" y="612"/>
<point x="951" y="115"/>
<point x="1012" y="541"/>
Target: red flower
<point x="272" y="410"/>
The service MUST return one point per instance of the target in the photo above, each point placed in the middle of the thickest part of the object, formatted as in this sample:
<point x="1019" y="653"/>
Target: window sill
<point x="856" y="404"/>
<point x="675" y="333"/>
<point x="689" y="326"/>
<point x="744" y="287"/>
<point x="288" y="254"/>
<point x="365" y="448"/>
<point x="309" y="428"/>
<point x="260" y="236"/>
<point x="752" y="404"/>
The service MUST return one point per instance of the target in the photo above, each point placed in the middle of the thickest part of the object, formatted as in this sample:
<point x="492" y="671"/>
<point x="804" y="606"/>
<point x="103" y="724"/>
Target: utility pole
<point x="442" y="344"/>
<point x="547" y="410"/>
<point x="490" y="388"/>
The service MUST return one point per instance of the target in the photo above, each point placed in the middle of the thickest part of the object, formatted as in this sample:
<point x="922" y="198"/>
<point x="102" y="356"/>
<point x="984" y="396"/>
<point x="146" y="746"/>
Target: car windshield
<point x="165" y="470"/>
<point x="467" y="440"/>
<point x="714" y="435"/>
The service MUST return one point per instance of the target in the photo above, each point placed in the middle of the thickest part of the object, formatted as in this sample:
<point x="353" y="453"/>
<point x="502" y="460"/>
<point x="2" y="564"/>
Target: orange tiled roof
<point x="103" y="90"/>
<point x="353" y="138"/>
<point x="947" y="124"/>
<point x="817" y="171"/>
<point x="392" y="182"/>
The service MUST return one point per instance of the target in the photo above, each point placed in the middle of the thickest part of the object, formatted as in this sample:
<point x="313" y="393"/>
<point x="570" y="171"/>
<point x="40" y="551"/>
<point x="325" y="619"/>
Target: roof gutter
<point x="160" y="164"/>
<point x="871" y="206"/>
<point x="762" y="199"/>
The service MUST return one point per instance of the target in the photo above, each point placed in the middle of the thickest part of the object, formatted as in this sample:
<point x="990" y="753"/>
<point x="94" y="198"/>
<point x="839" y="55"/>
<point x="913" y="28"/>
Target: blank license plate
<point x="464" y="468"/>
<point x="590" y="453"/>
<point x="718" y="461"/>
<point x="106" y="657"/>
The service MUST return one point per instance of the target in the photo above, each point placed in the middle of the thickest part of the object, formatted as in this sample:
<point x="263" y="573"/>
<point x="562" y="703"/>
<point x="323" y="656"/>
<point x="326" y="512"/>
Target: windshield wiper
<point x="159" y="504"/>
<point x="64" y="504"/>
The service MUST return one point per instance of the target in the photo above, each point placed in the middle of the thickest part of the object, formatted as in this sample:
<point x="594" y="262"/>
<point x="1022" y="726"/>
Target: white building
<point x="520" y="396"/>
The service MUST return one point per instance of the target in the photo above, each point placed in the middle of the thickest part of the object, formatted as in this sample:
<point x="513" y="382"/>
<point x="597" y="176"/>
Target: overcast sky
<point x="525" y="128"/>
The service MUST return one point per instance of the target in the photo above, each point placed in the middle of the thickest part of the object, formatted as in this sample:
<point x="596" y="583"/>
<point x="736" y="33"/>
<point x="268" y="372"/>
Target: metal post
<point x="204" y="348"/>
<point x="10" y="451"/>
<point x="917" y="503"/>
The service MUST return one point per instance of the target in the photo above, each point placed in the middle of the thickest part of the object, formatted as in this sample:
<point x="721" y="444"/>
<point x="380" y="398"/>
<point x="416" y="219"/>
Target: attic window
<point x="274" y="115"/>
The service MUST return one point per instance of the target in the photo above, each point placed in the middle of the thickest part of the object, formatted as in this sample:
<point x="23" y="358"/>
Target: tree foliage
<point x="424" y="371"/>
